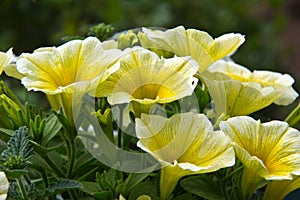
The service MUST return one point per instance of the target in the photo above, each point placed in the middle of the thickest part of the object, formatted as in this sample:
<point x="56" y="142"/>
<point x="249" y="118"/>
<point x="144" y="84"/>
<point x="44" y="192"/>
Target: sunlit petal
<point x="4" y="185"/>
<point x="6" y="59"/>
<point x="269" y="151"/>
<point x="145" y="78"/>
<point x="244" y="92"/>
<point x="184" y="144"/>
<point x="280" y="189"/>
<point x="58" y="71"/>
<point x="191" y="42"/>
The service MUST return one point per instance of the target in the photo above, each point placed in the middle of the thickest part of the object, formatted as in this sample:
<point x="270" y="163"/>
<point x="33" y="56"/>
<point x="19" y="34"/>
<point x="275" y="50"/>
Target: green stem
<point x="72" y="195"/>
<point x="294" y="117"/>
<point x="120" y="124"/>
<point x="87" y="174"/>
<point x="22" y="188"/>
<point x="57" y="171"/>
<point x="71" y="147"/>
<point x="44" y="177"/>
<point x="169" y="178"/>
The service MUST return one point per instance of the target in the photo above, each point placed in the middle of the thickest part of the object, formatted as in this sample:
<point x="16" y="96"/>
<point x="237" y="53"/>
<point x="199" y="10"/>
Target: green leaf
<point x="131" y="181"/>
<point x="66" y="124"/>
<point x="7" y="132"/>
<point x="90" y="187"/>
<point x="144" y="188"/>
<point x="105" y="195"/>
<point x="65" y="184"/>
<point x="203" y="97"/>
<point x="15" y="173"/>
<point x="18" y="150"/>
<point x="184" y="196"/>
<point x="109" y="180"/>
<point x="101" y="31"/>
<point x="203" y="186"/>
<point x="52" y="128"/>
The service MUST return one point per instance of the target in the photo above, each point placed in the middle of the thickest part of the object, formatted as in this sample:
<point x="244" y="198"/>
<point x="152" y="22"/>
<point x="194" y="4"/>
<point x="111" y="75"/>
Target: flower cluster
<point x="188" y="104"/>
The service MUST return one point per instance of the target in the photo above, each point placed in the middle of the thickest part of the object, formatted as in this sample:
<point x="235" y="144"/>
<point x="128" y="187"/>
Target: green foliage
<point x="203" y="186"/>
<point x="18" y="150"/>
<point x="63" y="185"/>
<point x="101" y="31"/>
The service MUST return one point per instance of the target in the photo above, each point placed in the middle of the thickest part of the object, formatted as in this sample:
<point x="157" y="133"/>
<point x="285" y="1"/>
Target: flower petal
<point x="280" y="189"/>
<point x="4" y="185"/>
<point x="246" y="92"/>
<point x="275" y="144"/>
<point x="197" y="44"/>
<point x="147" y="79"/>
<point x="52" y="70"/>
<point x="187" y="139"/>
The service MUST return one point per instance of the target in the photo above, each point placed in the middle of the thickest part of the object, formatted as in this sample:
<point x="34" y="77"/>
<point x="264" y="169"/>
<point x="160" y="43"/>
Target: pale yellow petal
<point x="6" y="59"/>
<point x="191" y="42"/>
<point x="175" y="137"/>
<point x="187" y="140"/>
<point x="246" y="92"/>
<point x="148" y="79"/>
<point x="4" y="185"/>
<point x="274" y="143"/>
<point x="207" y="50"/>
<point x="280" y="189"/>
<point x="54" y="70"/>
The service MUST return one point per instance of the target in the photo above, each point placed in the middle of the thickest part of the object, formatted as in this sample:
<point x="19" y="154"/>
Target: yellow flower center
<point x="153" y="91"/>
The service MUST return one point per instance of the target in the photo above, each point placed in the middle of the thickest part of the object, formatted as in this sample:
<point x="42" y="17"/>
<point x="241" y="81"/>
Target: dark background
<point x="271" y="27"/>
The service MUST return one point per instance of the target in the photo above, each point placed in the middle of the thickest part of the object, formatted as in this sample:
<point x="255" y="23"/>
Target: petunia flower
<point x="4" y="185"/>
<point x="268" y="151"/>
<point x="241" y="92"/>
<point x="145" y="79"/>
<point x="6" y="60"/>
<point x="280" y="189"/>
<point x="184" y="144"/>
<point x="57" y="71"/>
<point x="191" y="42"/>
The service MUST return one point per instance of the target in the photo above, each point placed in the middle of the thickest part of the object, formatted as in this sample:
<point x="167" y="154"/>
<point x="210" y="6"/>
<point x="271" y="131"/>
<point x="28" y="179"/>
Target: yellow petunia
<point x="4" y="185"/>
<point x="191" y="42"/>
<point x="238" y="91"/>
<point x="6" y="59"/>
<point x="280" y="189"/>
<point x="184" y="144"/>
<point x="56" y="71"/>
<point x="146" y="79"/>
<point x="268" y="151"/>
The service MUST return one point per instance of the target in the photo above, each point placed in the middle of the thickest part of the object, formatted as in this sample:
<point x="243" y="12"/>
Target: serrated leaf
<point x="65" y="184"/>
<point x="18" y="150"/>
<point x="202" y="186"/>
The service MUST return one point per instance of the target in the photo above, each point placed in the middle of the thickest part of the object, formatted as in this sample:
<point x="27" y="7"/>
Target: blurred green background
<point x="271" y="27"/>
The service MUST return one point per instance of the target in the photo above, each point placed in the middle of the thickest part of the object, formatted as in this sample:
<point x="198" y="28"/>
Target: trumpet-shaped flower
<point x="244" y="92"/>
<point x="268" y="151"/>
<point x="56" y="71"/>
<point x="4" y="185"/>
<point x="191" y="42"/>
<point x="184" y="144"/>
<point x="146" y="79"/>
<point x="280" y="189"/>
<point x="6" y="59"/>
